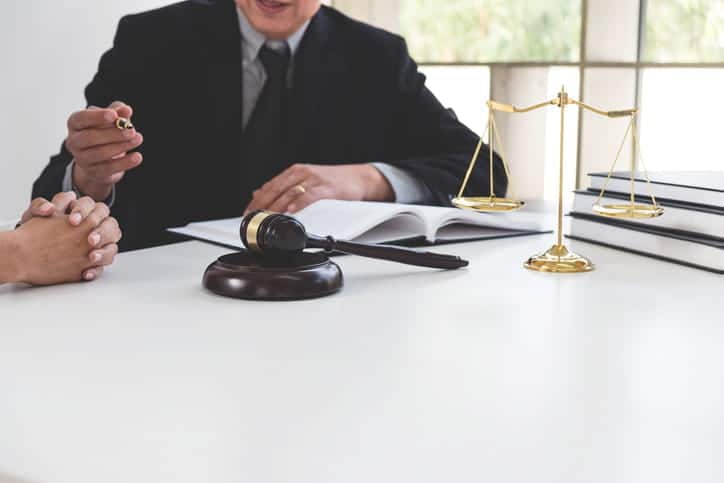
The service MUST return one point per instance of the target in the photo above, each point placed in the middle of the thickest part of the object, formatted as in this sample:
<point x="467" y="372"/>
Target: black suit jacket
<point x="357" y="97"/>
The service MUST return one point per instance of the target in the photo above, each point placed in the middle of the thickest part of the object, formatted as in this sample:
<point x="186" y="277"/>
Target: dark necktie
<point x="266" y="136"/>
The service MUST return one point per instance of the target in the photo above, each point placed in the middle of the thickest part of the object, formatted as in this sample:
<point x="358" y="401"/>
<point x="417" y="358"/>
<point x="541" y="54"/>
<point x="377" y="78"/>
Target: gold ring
<point x="300" y="189"/>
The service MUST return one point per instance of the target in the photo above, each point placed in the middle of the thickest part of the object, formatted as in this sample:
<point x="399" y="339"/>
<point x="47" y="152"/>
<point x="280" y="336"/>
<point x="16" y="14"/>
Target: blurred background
<point x="664" y="56"/>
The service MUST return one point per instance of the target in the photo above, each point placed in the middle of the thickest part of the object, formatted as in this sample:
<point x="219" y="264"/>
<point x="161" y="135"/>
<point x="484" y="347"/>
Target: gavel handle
<point x="387" y="252"/>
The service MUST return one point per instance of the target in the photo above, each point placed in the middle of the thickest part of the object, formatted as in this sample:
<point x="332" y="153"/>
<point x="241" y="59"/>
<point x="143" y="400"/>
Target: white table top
<point x="489" y="374"/>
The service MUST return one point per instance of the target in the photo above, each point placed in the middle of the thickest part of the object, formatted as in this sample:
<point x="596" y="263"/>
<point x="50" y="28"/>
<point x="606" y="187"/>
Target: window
<point x="684" y="31"/>
<point x="464" y="89"/>
<point x="680" y="119"/>
<point x="492" y="30"/>
<point x="665" y="57"/>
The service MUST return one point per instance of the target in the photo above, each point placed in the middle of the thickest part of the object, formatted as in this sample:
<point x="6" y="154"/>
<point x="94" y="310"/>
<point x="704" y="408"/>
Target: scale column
<point x="562" y="101"/>
<point x="558" y="259"/>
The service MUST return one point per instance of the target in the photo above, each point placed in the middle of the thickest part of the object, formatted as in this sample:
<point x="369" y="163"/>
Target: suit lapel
<point x="221" y="45"/>
<point x="219" y="42"/>
<point x="315" y="65"/>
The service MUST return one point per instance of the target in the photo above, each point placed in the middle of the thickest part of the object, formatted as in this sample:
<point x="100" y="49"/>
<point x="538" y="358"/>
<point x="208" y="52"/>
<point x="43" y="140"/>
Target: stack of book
<point x="690" y="232"/>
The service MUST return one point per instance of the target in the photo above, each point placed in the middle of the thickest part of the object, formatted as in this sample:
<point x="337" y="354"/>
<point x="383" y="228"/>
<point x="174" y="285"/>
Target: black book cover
<point x="698" y="180"/>
<point x="666" y="203"/>
<point x="689" y="236"/>
<point x="677" y="234"/>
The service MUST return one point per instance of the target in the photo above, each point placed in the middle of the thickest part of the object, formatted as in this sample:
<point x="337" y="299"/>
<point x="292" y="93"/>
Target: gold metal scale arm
<point x="567" y="100"/>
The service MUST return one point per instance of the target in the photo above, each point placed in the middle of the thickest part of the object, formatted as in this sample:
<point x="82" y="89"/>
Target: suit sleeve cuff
<point x="69" y="186"/>
<point x="406" y="187"/>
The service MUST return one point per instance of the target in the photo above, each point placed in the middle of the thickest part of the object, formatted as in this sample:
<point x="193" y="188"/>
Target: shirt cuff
<point x="69" y="186"/>
<point x="406" y="187"/>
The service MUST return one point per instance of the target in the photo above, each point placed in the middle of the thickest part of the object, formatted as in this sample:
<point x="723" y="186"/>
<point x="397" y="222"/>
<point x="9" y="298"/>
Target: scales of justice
<point x="558" y="258"/>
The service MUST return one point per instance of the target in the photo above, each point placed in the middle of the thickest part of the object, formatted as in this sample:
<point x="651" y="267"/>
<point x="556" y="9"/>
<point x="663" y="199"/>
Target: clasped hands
<point x="102" y="154"/>
<point x="65" y="240"/>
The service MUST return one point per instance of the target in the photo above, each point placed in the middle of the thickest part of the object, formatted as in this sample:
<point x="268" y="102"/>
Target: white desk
<point x="408" y="375"/>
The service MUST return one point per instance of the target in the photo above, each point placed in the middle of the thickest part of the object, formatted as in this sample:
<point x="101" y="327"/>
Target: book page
<point x="224" y="232"/>
<point x="530" y="219"/>
<point x="348" y="220"/>
<point x="402" y="227"/>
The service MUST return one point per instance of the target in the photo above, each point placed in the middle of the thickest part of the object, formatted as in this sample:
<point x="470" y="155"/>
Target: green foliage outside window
<point x="684" y="31"/>
<point x="492" y="30"/>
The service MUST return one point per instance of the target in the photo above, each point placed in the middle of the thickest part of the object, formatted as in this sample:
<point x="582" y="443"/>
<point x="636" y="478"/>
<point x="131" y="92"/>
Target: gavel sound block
<point x="275" y="267"/>
<point x="245" y="275"/>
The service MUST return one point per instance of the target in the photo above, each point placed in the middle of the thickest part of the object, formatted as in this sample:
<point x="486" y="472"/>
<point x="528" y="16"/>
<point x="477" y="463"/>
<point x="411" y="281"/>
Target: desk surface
<point x="407" y="375"/>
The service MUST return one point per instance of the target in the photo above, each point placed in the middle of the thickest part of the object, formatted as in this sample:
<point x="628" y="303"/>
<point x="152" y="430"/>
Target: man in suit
<point x="269" y="104"/>
<point x="63" y="240"/>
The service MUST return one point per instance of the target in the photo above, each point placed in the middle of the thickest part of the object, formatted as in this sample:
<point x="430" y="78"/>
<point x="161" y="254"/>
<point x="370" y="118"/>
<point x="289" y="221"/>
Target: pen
<point x="123" y="123"/>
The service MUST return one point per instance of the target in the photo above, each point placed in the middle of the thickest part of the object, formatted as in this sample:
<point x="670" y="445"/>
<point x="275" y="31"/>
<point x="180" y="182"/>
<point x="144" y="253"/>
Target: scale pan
<point x="628" y="211"/>
<point x="487" y="204"/>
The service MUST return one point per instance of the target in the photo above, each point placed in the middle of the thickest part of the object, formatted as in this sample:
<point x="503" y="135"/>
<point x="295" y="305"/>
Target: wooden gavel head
<point x="272" y="233"/>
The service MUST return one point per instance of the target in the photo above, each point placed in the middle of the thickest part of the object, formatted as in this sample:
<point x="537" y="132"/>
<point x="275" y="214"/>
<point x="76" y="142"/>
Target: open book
<point x="371" y="222"/>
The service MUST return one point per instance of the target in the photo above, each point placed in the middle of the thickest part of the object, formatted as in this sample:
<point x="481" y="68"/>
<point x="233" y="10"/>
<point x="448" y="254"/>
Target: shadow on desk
<point x="421" y="276"/>
<point x="5" y="478"/>
<point x="10" y="289"/>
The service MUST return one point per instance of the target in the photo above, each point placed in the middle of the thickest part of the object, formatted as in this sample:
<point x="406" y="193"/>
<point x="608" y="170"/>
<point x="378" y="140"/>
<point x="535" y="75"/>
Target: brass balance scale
<point x="558" y="258"/>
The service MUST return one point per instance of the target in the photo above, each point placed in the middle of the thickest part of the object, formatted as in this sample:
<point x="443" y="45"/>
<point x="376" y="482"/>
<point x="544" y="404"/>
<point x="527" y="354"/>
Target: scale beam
<point x="611" y="114"/>
<point x="502" y="107"/>
<point x="499" y="106"/>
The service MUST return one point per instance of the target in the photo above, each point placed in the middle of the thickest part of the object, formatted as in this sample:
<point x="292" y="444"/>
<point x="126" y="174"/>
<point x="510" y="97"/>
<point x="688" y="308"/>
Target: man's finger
<point x="117" y="177"/>
<point x="301" y="202"/>
<point x="103" y="256"/>
<point x="94" y="137"/>
<point x="278" y="186"/>
<point x="99" y="154"/>
<point x="111" y="169"/>
<point x="80" y="209"/>
<point x="108" y="232"/>
<point x="311" y="196"/>
<point x="281" y="204"/>
<point x="123" y="109"/>
<point x="88" y="118"/>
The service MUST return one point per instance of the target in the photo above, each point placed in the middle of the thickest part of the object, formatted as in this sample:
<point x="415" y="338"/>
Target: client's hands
<point x="303" y="184"/>
<point x="65" y="240"/>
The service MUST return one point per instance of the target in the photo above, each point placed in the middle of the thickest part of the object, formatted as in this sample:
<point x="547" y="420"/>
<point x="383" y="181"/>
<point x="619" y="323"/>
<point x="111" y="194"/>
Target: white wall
<point x="49" y="51"/>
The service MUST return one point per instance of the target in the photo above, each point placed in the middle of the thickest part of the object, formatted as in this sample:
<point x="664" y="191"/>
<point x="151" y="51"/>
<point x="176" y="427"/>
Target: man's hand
<point x="101" y="150"/>
<point x="89" y="219"/>
<point x="303" y="184"/>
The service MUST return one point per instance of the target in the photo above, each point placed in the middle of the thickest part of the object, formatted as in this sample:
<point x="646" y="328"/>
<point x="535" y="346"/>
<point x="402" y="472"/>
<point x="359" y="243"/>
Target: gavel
<point x="278" y="235"/>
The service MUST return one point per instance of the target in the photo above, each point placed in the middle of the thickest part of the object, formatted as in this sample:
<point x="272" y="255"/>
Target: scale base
<point x="487" y="203"/>
<point x="628" y="211"/>
<point x="558" y="259"/>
